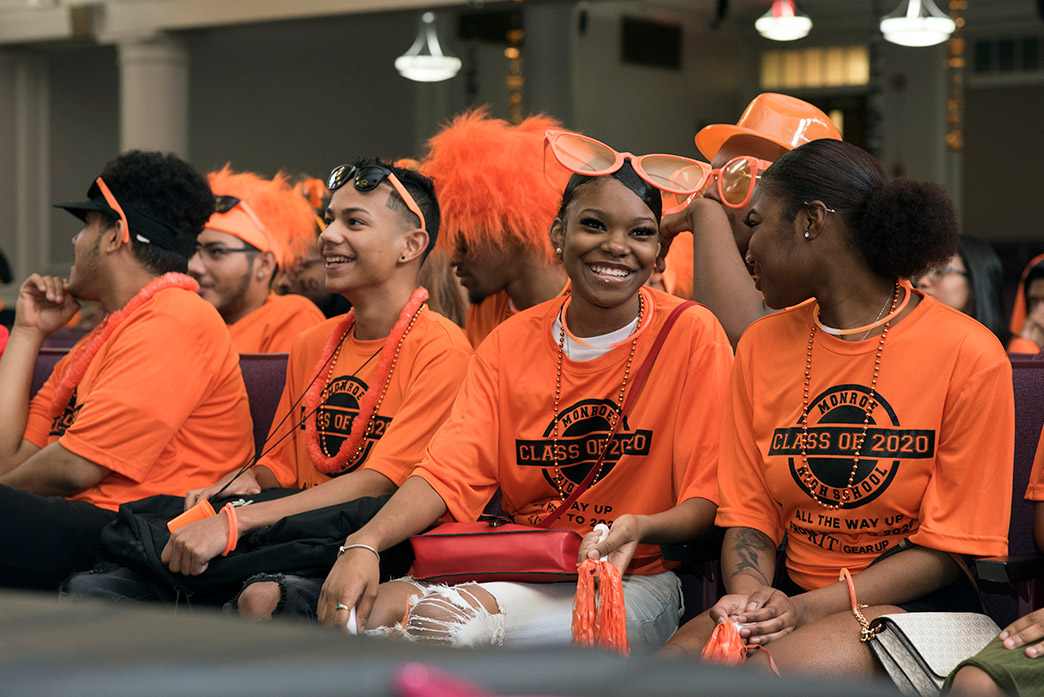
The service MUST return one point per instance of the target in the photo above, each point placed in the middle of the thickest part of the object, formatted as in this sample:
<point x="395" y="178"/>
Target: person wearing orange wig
<point x="497" y="210"/>
<point x="248" y="239"/>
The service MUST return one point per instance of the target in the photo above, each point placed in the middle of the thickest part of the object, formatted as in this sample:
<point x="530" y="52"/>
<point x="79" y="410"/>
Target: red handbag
<point x="487" y="551"/>
<point x="497" y="551"/>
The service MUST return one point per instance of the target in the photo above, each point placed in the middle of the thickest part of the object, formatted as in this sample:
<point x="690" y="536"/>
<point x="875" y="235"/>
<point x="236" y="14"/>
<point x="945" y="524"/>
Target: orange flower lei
<point x="81" y="358"/>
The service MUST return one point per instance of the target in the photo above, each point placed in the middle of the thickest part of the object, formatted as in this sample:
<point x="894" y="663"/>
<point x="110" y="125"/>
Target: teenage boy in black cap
<point x="151" y="401"/>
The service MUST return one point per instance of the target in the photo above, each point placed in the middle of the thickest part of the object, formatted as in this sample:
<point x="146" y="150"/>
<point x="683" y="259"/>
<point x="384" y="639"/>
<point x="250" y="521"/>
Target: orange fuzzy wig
<point x="285" y="213"/>
<point x="489" y="179"/>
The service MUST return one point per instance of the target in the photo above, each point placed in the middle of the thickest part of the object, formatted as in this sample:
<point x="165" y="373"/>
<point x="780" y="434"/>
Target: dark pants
<point x="43" y="539"/>
<point x="298" y="595"/>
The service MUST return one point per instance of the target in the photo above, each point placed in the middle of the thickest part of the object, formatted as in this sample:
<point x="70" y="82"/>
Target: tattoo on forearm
<point x="748" y="547"/>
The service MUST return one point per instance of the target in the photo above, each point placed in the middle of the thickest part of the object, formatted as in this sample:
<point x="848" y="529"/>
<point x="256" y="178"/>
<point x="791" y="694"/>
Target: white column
<point x="25" y="179"/>
<point x="154" y="95"/>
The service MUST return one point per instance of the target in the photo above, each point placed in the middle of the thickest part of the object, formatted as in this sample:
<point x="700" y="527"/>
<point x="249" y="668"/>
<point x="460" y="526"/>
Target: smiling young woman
<point x="543" y="392"/>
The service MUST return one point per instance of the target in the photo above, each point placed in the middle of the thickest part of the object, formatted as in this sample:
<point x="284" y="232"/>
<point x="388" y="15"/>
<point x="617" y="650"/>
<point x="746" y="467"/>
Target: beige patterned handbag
<point x="919" y="649"/>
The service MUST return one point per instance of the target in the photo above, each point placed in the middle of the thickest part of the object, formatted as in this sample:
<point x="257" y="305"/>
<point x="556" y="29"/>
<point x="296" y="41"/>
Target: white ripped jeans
<point x="536" y="614"/>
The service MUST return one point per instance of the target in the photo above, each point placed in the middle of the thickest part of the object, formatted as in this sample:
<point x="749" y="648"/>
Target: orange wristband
<point x="233" y="528"/>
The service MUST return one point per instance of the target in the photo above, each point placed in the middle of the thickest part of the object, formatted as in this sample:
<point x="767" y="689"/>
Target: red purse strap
<point x="636" y="389"/>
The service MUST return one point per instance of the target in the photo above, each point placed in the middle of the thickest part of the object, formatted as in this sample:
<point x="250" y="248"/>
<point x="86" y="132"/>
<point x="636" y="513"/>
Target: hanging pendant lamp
<point x="783" y="22"/>
<point x="917" y="23"/>
<point x="425" y="61"/>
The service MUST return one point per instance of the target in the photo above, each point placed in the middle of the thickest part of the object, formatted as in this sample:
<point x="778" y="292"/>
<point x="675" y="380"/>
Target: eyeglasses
<point x="368" y="178"/>
<point x="736" y="179"/>
<point x="216" y="253"/>
<point x="677" y="178"/>
<point x="936" y="275"/>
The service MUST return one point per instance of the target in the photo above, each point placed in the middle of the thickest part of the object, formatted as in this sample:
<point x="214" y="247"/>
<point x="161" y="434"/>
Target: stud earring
<point x="558" y="250"/>
<point x="402" y="258"/>
<point x="807" y="235"/>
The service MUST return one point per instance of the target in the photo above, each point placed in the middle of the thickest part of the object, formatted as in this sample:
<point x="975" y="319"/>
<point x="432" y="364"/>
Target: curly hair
<point x="167" y="188"/>
<point x="901" y="228"/>
<point x="489" y="178"/>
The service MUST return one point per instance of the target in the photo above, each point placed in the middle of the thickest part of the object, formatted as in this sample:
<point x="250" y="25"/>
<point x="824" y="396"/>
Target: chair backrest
<point x="45" y="362"/>
<point x="1028" y="381"/>
<point x="264" y="375"/>
<point x="1027" y="377"/>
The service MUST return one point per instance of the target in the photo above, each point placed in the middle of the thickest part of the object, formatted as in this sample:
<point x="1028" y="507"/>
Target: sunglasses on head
<point x="368" y="178"/>
<point x="224" y="203"/>
<point x="677" y="178"/>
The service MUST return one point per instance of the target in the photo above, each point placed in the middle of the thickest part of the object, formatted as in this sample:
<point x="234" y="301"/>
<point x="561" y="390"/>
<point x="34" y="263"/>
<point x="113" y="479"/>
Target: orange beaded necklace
<point x="81" y="357"/>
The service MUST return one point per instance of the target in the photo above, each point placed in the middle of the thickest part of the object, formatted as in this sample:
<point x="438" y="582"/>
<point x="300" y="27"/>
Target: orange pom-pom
<point x="600" y="618"/>
<point x="725" y="646"/>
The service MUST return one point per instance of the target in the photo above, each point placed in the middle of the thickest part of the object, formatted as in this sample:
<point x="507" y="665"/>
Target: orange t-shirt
<point x="486" y="315"/>
<point x="429" y="370"/>
<point x="677" y="277"/>
<point x="501" y="431"/>
<point x="936" y="465"/>
<point x="275" y="326"/>
<point x="162" y="405"/>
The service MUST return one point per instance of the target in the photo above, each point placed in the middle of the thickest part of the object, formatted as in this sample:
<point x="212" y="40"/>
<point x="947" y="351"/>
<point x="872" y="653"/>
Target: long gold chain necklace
<point x="558" y="477"/>
<point x="329" y="376"/>
<point x="807" y="477"/>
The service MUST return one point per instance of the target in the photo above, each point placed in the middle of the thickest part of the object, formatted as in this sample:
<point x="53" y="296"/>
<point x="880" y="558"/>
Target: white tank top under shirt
<point x="589" y="348"/>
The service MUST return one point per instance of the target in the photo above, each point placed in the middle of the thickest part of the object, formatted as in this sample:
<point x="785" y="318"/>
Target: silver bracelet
<point x="344" y="548"/>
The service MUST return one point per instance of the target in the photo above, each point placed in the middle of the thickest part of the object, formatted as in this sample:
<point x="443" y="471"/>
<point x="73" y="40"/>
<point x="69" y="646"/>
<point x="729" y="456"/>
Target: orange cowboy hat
<point x="786" y="121"/>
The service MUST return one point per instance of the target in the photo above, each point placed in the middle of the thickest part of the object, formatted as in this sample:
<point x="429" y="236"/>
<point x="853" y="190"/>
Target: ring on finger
<point x="340" y="606"/>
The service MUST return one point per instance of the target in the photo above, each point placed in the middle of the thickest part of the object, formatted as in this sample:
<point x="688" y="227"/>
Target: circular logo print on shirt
<point x="61" y="423"/>
<point x="835" y="422"/>
<point x="582" y="431"/>
<point x="337" y="413"/>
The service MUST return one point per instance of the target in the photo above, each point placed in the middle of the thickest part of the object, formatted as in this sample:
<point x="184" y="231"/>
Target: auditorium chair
<point x="1011" y="585"/>
<point x="45" y="362"/>
<point x="263" y="375"/>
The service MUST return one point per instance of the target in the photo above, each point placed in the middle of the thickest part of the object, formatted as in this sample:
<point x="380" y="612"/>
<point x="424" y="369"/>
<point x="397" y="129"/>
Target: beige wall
<point x="305" y="95"/>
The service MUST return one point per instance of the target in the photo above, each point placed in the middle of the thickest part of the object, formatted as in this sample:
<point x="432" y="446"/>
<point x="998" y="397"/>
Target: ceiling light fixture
<point x="430" y="66"/>
<point x="783" y="22"/>
<point x="917" y="23"/>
